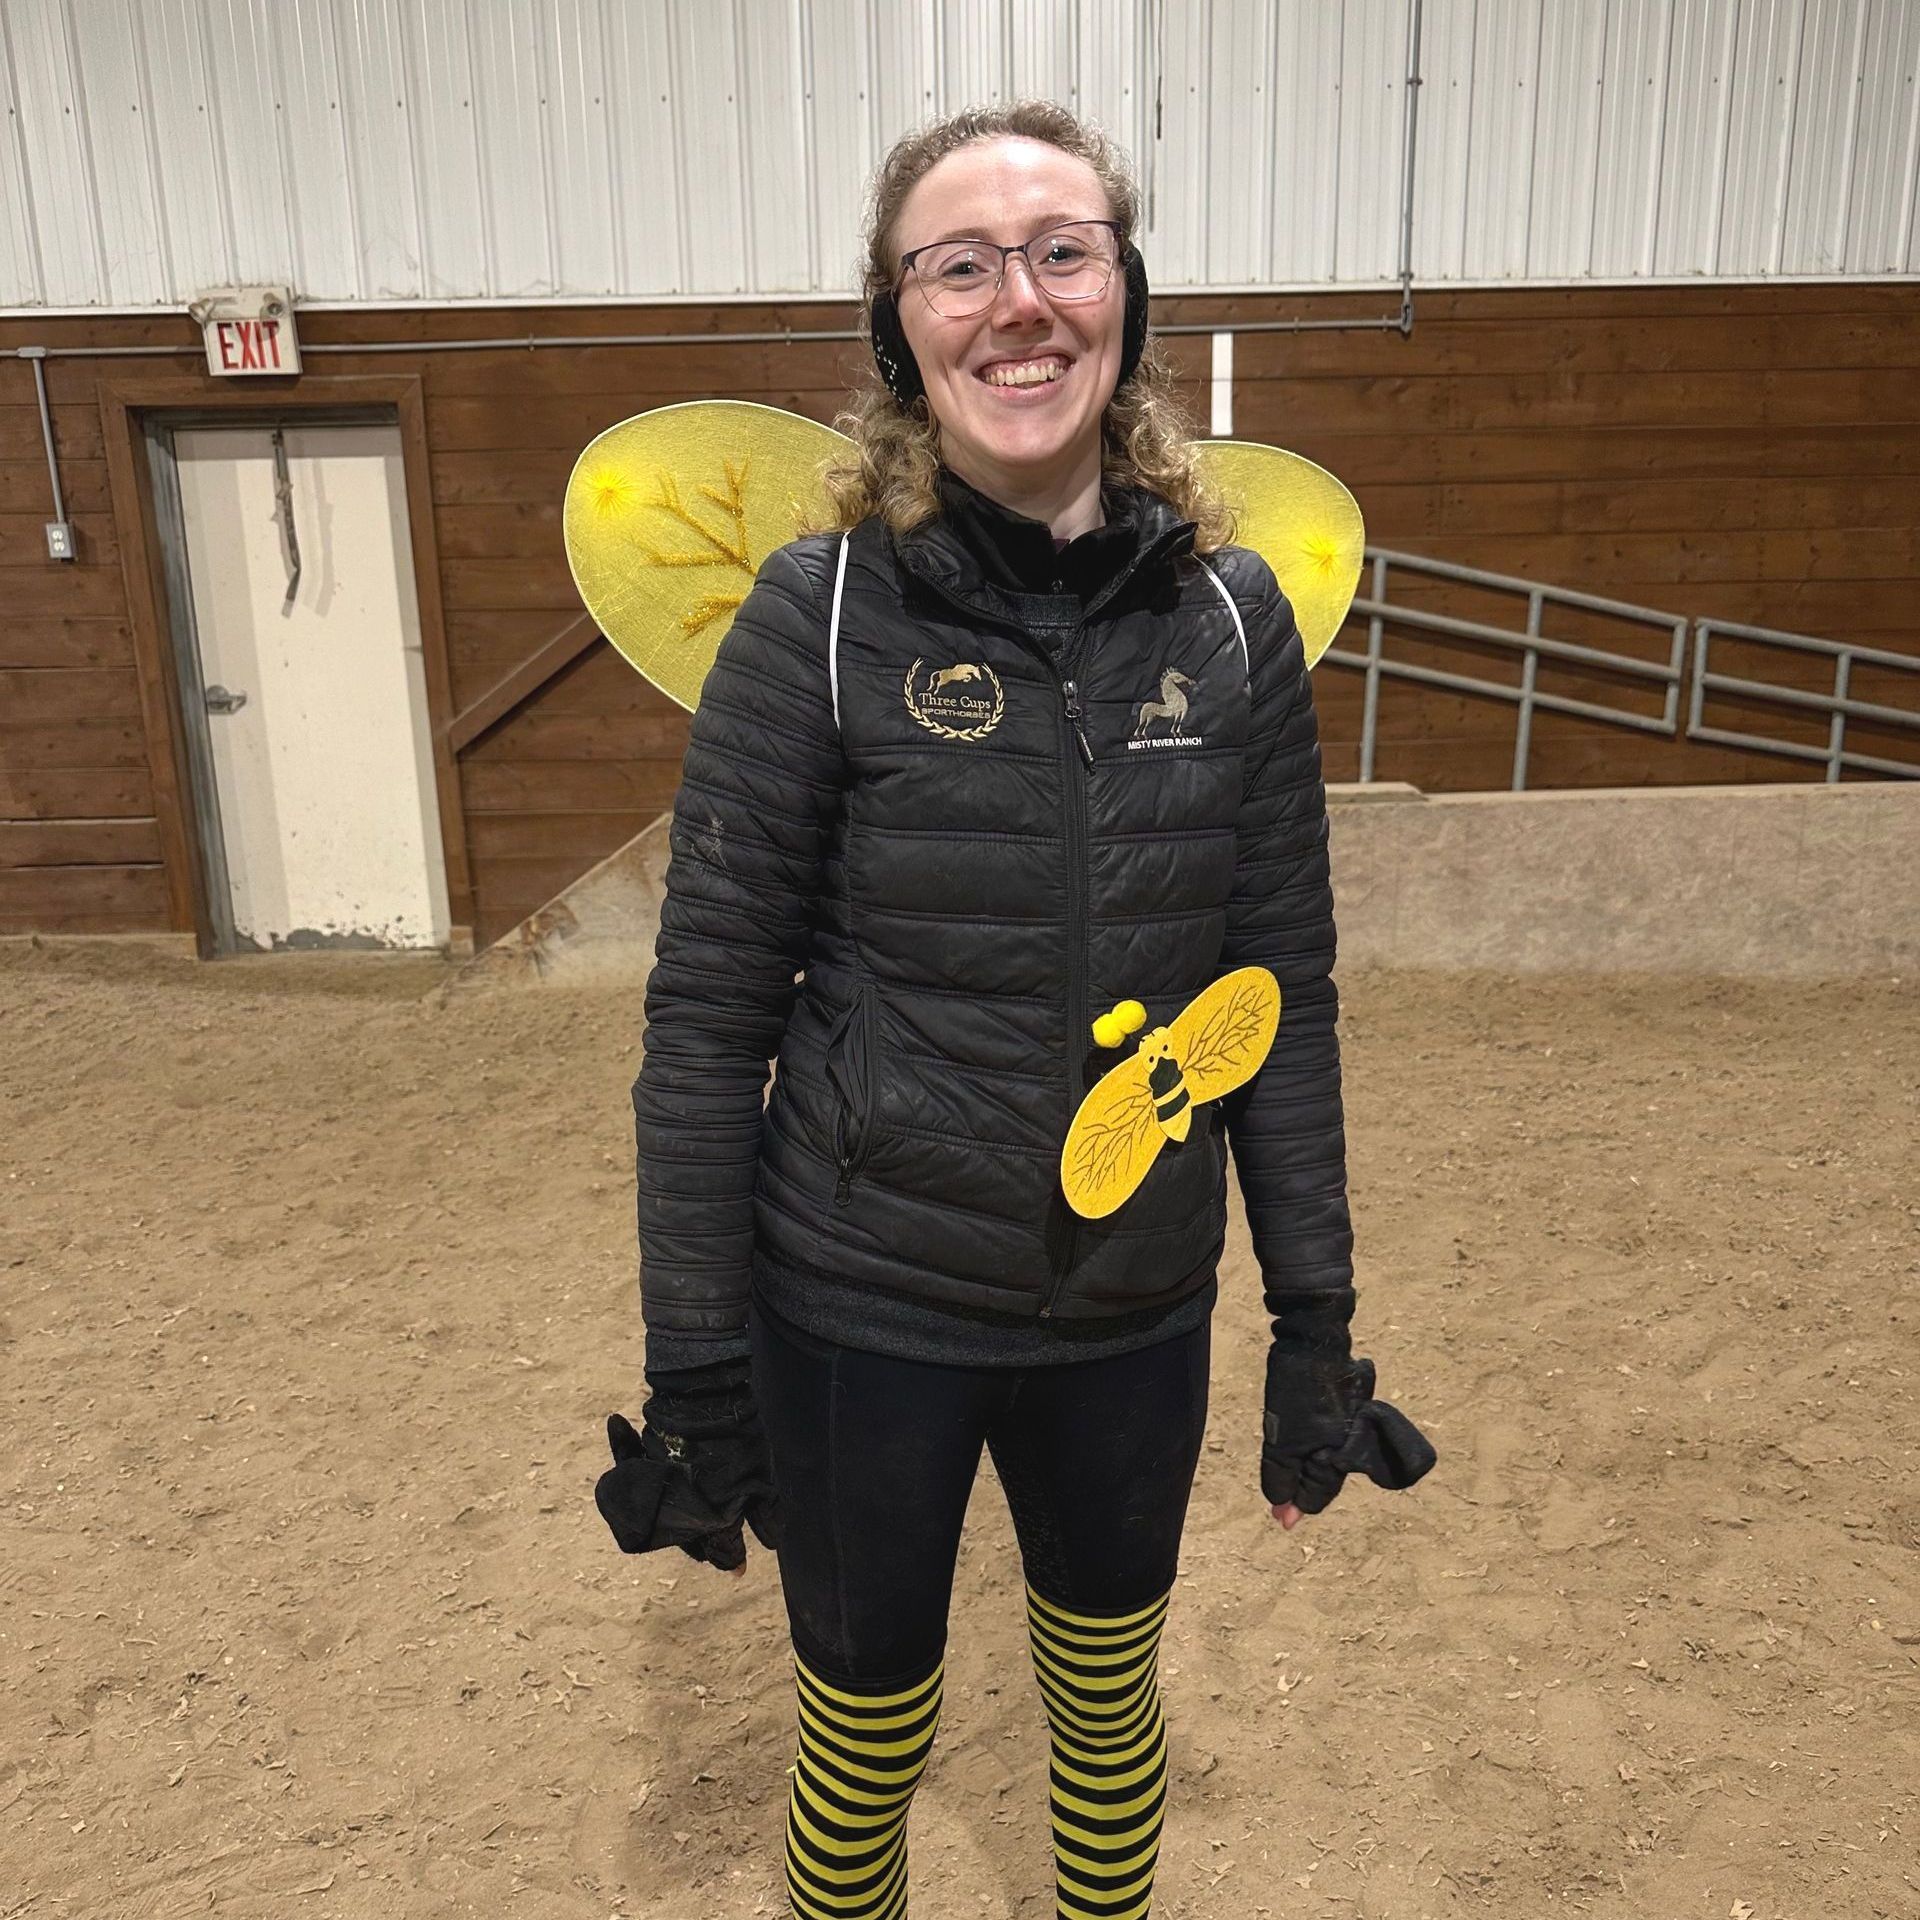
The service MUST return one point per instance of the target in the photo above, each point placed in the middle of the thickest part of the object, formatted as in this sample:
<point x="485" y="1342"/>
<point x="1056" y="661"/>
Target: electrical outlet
<point x="59" y="540"/>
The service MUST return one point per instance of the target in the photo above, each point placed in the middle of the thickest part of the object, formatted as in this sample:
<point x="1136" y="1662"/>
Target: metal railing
<point x="1671" y="677"/>
<point x="1530" y="643"/>
<point x="1837" y="704"/>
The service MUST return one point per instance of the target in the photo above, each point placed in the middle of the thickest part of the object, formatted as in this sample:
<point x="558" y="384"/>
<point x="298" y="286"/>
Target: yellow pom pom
<point x="1110" y="1029"/>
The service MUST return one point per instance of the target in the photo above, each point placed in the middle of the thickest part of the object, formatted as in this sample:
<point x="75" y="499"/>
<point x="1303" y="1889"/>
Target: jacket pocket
<point x="1182" y="1185"/>
<point x="850" y="1066"/>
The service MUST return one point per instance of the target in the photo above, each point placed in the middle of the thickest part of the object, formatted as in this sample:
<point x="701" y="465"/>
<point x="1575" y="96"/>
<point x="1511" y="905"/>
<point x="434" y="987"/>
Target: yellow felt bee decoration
<point x="1214" y="1044"/>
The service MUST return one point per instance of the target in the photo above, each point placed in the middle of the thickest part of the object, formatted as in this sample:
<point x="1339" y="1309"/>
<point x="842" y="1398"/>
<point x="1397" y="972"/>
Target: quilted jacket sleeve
<point x="1320" y="1420"/>
<point x="1286" y="1125"/>
<point x="759" y="789"/>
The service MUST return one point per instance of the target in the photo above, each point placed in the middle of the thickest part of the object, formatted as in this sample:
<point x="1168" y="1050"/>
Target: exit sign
<point x="248" y="330"/>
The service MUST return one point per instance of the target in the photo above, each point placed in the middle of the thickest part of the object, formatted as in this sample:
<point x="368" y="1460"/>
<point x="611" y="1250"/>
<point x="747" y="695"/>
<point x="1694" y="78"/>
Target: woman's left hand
<point x="1288" y="1515"/>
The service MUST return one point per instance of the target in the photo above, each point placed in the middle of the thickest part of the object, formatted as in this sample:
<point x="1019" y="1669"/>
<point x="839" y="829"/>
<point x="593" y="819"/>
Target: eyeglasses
<point x="1071" y="262"/>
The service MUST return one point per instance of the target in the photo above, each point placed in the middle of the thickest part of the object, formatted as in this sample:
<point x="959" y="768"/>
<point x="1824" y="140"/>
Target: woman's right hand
<point x="696" y="1470"/>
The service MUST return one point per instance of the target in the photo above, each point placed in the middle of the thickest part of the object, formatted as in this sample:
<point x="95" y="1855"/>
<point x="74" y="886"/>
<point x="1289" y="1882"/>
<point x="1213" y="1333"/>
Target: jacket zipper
<point x="844" y="1185"/>
<point x="1077" y="917"/>
<point x="1072" y="717"/>
<point x="1071" y="694"/>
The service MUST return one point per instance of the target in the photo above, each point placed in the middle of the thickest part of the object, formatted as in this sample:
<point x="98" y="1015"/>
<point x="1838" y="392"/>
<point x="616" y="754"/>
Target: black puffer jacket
<point x="974" y="821"/>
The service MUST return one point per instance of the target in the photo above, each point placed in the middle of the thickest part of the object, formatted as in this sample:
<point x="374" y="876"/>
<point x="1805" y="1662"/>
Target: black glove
<point x="697" y="1469"/>
<point x="1322" y="1424"/>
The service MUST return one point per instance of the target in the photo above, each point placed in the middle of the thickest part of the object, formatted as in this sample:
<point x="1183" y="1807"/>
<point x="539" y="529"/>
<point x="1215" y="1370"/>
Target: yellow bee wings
<point x="1215" y="1043"/>
<point x="667" y="517"/>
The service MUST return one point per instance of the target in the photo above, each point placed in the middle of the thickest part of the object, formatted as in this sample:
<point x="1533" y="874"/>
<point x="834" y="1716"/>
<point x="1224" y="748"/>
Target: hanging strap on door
<point x="283" y="498"/>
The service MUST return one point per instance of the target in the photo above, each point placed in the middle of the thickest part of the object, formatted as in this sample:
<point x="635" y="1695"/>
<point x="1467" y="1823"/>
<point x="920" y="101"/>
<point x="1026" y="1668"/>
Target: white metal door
<point x="315" y="684"/>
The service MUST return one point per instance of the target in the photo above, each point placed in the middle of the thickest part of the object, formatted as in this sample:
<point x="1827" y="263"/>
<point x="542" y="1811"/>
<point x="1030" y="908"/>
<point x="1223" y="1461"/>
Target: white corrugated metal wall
<point x="518" y="150"/>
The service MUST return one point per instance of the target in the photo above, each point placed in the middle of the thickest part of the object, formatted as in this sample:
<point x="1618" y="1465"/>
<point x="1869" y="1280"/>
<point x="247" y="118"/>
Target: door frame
<point x="160" y="425"/>
<point x="316" y="399"/>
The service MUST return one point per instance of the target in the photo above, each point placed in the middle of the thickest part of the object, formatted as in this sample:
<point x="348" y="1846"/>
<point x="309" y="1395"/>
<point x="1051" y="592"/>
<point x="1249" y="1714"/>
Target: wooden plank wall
<point x="1739" y="453"/>
<point x="79" y="846"/>
<point x="1748" y="452"/>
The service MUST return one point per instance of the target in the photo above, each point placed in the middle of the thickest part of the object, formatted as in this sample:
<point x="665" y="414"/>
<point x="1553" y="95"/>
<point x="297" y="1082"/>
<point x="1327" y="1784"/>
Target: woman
<point x="992" y="753"/>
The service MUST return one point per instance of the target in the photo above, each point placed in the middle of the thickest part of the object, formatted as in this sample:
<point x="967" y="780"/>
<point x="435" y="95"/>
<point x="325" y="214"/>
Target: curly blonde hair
<point x="1146" y="435"/>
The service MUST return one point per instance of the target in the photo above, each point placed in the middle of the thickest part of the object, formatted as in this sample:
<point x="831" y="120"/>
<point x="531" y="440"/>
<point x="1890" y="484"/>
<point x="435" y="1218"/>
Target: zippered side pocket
<point x="850" y="1065"/>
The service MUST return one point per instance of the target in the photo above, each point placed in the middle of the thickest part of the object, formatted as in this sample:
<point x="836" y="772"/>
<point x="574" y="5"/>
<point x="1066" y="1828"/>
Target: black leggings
<point x="875" y="1459"/>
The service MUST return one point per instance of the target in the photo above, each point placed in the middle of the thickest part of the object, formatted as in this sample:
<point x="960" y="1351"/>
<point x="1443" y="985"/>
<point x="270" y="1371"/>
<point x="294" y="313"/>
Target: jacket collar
<point x="976" y="552"/>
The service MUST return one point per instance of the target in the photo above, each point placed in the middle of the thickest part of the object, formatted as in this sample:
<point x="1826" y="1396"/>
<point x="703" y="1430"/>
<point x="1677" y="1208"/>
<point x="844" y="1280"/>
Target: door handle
<point x="219" y="700"/>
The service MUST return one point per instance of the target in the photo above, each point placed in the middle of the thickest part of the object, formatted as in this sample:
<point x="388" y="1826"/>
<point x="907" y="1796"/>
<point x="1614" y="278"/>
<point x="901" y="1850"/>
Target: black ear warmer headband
<point x="902" y="372"/>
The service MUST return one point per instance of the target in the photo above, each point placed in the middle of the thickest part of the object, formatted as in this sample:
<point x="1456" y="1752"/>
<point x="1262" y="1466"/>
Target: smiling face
<point x="1026" y="439"/>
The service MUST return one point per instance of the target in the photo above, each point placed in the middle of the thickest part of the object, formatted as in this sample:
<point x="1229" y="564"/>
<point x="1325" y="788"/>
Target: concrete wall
<point x="1807" y="881"/>
<point x="1779" y="881"/>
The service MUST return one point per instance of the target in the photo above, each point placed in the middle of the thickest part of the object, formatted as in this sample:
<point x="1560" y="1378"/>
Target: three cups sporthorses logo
<point x="961" y="702"/>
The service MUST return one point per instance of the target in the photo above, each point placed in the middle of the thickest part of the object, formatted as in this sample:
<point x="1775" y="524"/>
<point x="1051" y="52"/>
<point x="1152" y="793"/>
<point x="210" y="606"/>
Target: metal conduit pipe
<point x="40" y="354"/>
<point x="1401" y="321"/>
<point x="783" y="336"/>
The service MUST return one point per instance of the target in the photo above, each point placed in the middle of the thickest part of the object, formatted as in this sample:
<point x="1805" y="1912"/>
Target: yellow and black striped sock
<point x="1100" y="1677"/>
<point x="862" y="1752"/>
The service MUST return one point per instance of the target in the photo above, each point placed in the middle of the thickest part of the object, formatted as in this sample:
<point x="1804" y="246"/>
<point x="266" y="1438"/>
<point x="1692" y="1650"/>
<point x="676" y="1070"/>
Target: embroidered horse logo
<point x="961" y="702"/>
<point x="1170" y="707"/>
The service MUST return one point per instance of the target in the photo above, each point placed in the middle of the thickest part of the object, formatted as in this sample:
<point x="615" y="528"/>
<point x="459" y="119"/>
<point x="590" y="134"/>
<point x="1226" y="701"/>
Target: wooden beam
<point x="523" y="682"/>
<point x="410" y="405"/>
